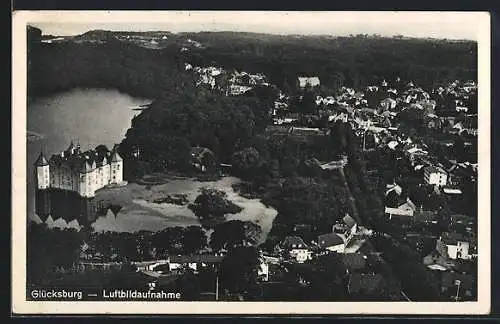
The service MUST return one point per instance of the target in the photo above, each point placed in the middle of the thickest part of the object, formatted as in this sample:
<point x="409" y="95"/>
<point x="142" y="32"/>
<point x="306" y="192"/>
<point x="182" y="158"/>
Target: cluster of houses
<point x="457" y="245"/>
<point x="153" y="41"/>
<point x="460" y="94"/>
<point x="188" y="44"/>
<point x="231" y="83"/>
<point x="454" y="248"/>
<point x="340" y="240"/>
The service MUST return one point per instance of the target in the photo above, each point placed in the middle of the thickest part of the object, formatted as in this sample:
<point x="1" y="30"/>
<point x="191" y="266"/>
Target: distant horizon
<point x="433" y="25"/>
<point x="259" y="33"/>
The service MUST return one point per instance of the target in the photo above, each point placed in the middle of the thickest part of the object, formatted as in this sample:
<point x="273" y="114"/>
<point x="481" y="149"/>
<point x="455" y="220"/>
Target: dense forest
<point x="125" y="67"/>
<point x="350" y="61"/>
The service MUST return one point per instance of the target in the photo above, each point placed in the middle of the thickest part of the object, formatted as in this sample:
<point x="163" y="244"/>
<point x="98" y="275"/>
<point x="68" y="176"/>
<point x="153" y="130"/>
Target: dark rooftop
<point x="452" y="238"/>
<point x="349" y="221"/>
<point x="330" y="239"/>
<point x="293" y="242"/>
<point x="84" y="161"/>
<point x="199" y="258"/>
<point x="41" y="160"/>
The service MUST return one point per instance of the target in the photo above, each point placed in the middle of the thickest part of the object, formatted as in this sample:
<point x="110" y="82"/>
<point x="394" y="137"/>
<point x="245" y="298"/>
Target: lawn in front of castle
<point x="160" y="201"/>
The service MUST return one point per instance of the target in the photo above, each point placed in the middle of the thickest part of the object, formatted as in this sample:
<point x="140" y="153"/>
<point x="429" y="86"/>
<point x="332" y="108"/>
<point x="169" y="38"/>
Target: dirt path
<point x="352" y="200"/>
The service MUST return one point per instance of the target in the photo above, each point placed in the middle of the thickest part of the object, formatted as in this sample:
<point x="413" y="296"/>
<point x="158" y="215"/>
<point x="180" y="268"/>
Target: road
<point x="351" y="199"/>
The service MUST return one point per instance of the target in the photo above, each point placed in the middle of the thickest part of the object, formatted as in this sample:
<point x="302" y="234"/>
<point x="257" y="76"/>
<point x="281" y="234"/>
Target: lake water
<point x="97" y="116"/>
<point x="88" y="116"/>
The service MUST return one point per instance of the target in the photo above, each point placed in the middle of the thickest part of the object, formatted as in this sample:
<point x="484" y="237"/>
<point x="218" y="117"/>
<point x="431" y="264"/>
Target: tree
<point x="326" y="274"/>
<point x="239" y="269"/>
<point x="189" y="284"/>
<point x="246" y="162"/>
<point x="459" y="147"/>
<point x="413" y="118"/>
<point x="193" y="239"/>
<point x="49" y="250"/>
<point x="168" y="240"/>
<point x="212" y="205"/>
<point x="338" y="80"/>
<point x="307" y="104"/>
<point x="234" y="233"/>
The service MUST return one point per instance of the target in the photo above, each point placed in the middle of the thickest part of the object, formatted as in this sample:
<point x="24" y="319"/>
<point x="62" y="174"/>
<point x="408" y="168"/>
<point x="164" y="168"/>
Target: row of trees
<point x="43" y="262"/>
<point x="237" y="272"/>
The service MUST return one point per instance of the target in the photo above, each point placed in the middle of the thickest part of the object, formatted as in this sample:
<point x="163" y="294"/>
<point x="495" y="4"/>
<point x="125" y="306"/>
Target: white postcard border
<point x="18" y="269"/>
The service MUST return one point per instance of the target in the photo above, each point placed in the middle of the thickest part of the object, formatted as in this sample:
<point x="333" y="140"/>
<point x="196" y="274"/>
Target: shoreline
<point x="32" y="136"/>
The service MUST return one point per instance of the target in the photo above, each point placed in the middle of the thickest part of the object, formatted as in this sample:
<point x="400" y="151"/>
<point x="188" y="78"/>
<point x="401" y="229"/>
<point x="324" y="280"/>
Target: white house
<point x="435" y="176"/>
<point x="304" y="82"/>
<point x="453" y="245"/>
<point x="193" y="262"/>
<point x="388" y="103"/>
<point x="263" y="270"/>
<point x="296" y="248"/>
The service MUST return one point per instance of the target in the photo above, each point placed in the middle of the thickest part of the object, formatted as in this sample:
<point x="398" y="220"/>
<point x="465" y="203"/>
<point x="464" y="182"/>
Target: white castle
<point x="81" y="172"/>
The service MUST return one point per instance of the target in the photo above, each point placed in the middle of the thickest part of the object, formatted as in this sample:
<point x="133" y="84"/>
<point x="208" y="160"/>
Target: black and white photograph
<point x="258" y="162"/>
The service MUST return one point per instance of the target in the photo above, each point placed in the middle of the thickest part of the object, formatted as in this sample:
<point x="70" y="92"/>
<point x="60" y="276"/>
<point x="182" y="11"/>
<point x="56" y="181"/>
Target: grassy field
<point x="143" y="207"/>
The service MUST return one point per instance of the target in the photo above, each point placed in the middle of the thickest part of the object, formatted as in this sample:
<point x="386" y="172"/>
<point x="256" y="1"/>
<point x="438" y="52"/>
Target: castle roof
<point x="84" y="161"/>
<point x="115" y="157"/>
<point x="41" y="160"/>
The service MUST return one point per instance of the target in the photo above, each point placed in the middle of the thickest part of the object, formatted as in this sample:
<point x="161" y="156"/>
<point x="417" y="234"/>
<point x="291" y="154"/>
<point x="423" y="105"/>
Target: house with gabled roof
<point x="332" y="242"/>
<point x="454" y="245"/>
<point x="202" y="158"/>
<point x="347" y="227"/>
<point x="406" y="209"/>
<point x="296" y="248"/>
<point x="435" y="175"/>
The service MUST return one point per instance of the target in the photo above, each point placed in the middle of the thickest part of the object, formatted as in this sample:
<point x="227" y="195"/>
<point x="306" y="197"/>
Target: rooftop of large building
<point x="434" y="169"/>
<point x="80" y="161"/>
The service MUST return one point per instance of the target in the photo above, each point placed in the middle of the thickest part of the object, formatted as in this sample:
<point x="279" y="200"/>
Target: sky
<point x="451" y="25"/>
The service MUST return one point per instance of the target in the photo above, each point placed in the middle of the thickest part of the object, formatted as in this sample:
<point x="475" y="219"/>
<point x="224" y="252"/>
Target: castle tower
<point x="116" y="163"/>
<point x="86" y="184"/>
<point x="42" y="194"/>
<point x="42" y="172"/>
<point x="71" y="149"/>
